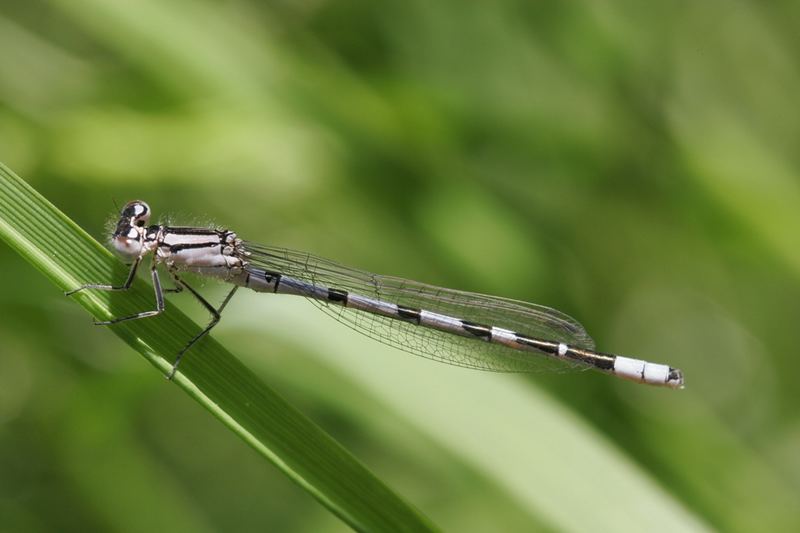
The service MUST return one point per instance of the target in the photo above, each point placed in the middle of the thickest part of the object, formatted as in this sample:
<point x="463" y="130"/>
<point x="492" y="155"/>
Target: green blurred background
<point x="632" y="164"/>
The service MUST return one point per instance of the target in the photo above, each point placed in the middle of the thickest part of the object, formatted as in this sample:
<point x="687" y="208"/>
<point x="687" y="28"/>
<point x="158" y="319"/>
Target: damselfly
<point x="455" y="327"/>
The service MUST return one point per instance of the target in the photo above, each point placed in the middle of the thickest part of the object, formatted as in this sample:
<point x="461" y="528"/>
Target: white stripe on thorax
<point x="174" y="239"/>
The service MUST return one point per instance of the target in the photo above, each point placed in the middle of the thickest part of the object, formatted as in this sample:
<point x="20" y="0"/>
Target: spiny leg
<point x="178" y="288"/>
<point x="215" y="316"/>
<point x="145" y="314"/>
<point x="124" y="287"/>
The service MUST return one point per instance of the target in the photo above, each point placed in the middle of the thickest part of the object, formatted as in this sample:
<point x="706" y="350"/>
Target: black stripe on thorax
<point x="409" y="313"/>
<point x="188" y="230"/>
<point x="479" y="330"/>
<point x="337" y="295"/>
<point x="191" y="246"/>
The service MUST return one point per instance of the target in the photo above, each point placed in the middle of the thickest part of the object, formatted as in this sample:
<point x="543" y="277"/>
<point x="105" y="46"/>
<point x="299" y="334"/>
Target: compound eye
<point x="137" y="211"/>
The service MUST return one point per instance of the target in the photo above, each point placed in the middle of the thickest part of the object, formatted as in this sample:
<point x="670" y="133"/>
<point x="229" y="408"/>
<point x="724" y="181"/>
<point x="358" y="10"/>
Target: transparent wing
<point x="532" y="320"/>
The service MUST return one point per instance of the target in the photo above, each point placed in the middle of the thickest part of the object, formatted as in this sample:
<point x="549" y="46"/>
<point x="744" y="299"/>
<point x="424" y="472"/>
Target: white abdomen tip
<point x="654" y="373"/>
<point x="644" y="372"/>
<point x="629" y="368"/>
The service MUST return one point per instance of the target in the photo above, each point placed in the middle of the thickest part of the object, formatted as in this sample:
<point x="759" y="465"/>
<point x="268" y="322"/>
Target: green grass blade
<point x="68" y="256"/>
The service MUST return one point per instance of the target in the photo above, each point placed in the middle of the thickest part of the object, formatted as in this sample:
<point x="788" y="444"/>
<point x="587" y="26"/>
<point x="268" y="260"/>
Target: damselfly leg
<point x="215" y="316"/>
<point x="159" y="291"/>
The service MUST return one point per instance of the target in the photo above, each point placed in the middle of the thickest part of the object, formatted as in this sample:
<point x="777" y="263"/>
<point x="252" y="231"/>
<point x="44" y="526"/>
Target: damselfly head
<point x="128" y="237"/>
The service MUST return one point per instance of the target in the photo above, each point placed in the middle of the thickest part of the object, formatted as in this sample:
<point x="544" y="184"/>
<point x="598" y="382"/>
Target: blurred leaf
<point x="541" y="454"/>
<point x="212" y="376"/>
